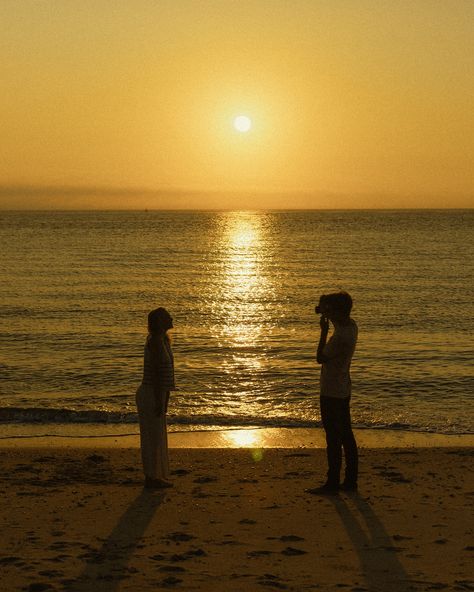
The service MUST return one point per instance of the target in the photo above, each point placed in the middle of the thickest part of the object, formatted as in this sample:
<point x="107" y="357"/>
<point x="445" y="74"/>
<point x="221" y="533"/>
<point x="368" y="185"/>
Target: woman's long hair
<point x="156" y="328"/>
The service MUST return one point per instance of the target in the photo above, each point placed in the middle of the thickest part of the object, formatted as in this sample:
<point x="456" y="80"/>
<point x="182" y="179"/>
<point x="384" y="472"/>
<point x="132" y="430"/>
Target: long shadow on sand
<point x="107" y="567"/>
<point x="377" y="554"/>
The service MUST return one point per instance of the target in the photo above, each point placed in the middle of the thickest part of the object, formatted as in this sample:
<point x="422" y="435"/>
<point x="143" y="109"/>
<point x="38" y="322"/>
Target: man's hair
<point x="339" y="301"/>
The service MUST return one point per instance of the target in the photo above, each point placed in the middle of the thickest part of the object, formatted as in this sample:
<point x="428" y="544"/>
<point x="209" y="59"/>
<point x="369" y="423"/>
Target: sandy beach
<point x="77" y="518"/>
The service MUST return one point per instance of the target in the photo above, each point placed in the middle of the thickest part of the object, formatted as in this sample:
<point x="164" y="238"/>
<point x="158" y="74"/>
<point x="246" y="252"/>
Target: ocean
<point x="76" y="287"/>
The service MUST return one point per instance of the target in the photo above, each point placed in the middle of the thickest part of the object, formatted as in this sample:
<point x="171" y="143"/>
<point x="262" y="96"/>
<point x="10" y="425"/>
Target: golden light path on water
<point x="245" y="288"/>
<point x="242" y="281"/>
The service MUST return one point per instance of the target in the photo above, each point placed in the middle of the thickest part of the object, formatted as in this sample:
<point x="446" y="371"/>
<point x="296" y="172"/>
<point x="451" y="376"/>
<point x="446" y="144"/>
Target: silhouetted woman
<point x="152" y="399"/>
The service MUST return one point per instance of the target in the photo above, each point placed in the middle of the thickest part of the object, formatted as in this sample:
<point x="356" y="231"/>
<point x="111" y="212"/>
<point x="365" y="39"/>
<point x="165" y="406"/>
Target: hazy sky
<point x="353" y="102"/>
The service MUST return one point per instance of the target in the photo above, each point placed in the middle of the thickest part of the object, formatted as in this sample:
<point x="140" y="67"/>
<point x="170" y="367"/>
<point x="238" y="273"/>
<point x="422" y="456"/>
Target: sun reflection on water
<point x="244" y="233"/>
<point x="243" y="281"/>
<point x="242" y="240"/>
<point x="244" y="289"/>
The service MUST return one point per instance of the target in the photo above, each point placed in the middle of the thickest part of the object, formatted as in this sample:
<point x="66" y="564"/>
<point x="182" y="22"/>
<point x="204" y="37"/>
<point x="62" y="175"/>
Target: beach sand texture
<point x="236" y="519"/>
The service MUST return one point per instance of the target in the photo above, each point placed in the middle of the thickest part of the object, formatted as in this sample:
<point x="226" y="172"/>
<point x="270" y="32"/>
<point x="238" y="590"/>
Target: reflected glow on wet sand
<point x="253" y="438"/>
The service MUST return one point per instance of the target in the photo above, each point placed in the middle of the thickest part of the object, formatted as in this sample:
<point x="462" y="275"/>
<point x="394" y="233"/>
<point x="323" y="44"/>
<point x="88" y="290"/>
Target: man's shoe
<point x="326" y="489"/>
<point x="348" y="486"/>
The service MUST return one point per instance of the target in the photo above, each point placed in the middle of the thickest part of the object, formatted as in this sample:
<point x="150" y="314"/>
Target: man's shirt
<point x="335" y="373"/>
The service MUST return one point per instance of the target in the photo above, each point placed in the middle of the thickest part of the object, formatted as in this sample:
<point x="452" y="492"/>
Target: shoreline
<point x="256" y="438"/>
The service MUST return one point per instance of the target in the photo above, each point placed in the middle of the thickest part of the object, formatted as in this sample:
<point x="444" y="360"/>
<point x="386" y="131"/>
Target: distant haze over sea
<point x="23" y="197"/>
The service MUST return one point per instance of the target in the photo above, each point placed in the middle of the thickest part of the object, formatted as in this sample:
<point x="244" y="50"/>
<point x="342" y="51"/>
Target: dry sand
<point x="236" y="519"/>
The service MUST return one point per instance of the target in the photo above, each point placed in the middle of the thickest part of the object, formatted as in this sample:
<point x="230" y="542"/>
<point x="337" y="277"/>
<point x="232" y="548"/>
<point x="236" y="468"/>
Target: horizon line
<point x="114" y="190"/>
<point x="208" y="209"/>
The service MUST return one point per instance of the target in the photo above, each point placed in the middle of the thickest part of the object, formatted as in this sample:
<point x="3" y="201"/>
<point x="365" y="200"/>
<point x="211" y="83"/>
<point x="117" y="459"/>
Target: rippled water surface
<point x="76" y="287"/>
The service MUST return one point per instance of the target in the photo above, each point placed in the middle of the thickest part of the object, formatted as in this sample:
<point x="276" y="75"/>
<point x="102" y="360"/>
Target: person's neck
<point x="159" y="334"/>
<point x="341" y="322"/>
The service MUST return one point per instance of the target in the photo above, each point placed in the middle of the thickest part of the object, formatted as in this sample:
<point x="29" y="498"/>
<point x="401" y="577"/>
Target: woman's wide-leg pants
<point x="153" y="435"/>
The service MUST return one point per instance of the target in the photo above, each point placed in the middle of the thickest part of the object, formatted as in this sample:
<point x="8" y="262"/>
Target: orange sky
<point x="360" y="103"/>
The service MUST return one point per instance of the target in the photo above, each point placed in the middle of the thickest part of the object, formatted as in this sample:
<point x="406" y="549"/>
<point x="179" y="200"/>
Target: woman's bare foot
<point x="157" y="483"/>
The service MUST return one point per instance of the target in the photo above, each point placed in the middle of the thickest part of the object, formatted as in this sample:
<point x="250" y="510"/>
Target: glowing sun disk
<point x="242" y="123"/>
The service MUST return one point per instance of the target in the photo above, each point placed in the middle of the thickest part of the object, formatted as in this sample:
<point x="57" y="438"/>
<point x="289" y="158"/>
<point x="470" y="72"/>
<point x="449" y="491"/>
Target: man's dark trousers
<point x="336" y="419"/>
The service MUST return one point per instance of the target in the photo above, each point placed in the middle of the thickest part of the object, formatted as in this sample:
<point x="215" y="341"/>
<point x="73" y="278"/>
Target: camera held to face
<point x="321" y="308"/>
<point x="338" y="303"/>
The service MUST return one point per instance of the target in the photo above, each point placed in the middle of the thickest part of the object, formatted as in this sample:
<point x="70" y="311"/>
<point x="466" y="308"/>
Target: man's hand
<point x="324" y="324"/>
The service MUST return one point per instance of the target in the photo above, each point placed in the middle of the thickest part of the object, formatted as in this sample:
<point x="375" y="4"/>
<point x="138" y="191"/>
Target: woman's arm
<point x="162" y="373"/>
<point x="157" y="363"/>
<point x="161" y="401"/>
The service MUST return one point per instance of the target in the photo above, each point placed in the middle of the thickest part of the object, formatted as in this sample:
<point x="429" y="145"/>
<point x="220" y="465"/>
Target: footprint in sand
<point x="205" y="479"/>
<point x="271" y="581"/>
<point x="400" y="537"/>
<point x="290" y="538"/>
<point x="12" y="560"/>
<point x="39" y="587"/>
<point x="292" y="552"/>
<point x="394" y="476"/>
<point x="61" y="558"/>
<point x="51" y="573"/>
<point x="170" y="581"/>
<point x="201" y="494"/>
<point x="179" y="537"/>
<point x="96" y="458"/>
<point x="44" y="459"/>
<point x="188" y="555"/>
<point x="260" y="553"/>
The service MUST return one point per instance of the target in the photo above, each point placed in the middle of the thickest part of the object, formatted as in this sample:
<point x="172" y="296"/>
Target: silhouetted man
<point x="335" y="357"/>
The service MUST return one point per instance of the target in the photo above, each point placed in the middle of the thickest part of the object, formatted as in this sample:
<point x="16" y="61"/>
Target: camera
<point x="321" y="308"/>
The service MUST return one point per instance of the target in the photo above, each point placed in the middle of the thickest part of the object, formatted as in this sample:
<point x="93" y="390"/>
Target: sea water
<point x="76" y="287"/>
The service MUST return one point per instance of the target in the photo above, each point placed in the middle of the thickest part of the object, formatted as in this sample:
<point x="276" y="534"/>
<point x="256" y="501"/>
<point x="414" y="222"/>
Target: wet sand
<point x="77" y="518"/>
<point x="127" y="436"/>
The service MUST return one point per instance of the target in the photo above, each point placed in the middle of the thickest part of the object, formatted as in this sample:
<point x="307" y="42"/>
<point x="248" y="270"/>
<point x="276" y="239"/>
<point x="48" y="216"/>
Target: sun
<point x="242" y="123"/>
